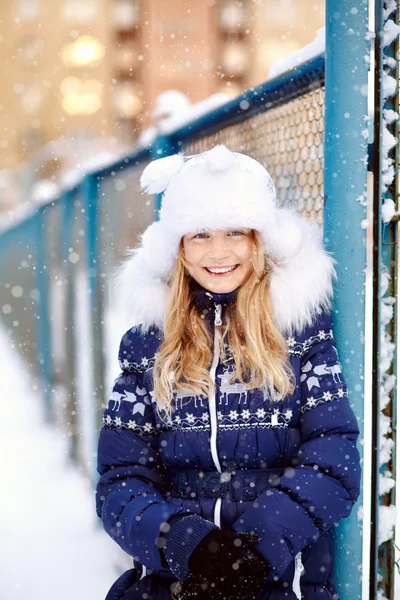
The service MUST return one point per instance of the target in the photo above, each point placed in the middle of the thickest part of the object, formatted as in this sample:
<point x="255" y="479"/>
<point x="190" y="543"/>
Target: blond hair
<point x="258" y="347"/>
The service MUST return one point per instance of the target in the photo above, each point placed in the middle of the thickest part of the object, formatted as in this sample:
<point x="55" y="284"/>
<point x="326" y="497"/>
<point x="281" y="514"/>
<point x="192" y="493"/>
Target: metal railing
<point x="64" y="255"/>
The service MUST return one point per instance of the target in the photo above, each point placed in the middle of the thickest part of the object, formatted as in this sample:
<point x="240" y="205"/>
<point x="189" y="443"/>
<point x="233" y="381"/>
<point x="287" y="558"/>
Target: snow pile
<point x="194" y="112"/>
<point x="169" y="103"/>
<point x="316" y="47"/>
<point x="170" y="114"/>
<point x="390" y="32"/>
<point x="387" y="520"/>
<point x="52" y="542"/>
<point x="389" y="7"/>
<point x="71" y="177"/>
<point x="44" y="191"/>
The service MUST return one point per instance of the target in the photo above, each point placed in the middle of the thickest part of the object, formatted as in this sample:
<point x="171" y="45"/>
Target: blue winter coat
<point x="290" y="468"/>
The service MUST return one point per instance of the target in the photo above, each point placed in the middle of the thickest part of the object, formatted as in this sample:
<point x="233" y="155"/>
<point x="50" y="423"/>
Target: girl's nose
<point x="219" y="250"/>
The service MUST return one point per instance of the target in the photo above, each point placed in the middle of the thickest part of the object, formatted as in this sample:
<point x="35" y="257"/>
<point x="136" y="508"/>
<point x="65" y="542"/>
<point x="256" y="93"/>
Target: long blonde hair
<point x="258" y="347"/>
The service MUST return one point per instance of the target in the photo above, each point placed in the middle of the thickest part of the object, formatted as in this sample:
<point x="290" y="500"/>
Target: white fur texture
<point x="219" y="159"/>
<point x="199" y="198"/>
<point x="157" y="175"/>
<point x="301" y="285"/>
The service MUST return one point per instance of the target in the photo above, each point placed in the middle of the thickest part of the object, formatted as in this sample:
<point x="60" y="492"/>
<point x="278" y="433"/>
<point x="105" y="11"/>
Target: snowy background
<point x="52" y="544"/>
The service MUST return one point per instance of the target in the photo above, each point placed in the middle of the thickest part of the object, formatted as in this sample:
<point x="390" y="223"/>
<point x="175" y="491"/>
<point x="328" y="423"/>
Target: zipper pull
<point x="218" y="312"/>
<point x="298" y="571"/>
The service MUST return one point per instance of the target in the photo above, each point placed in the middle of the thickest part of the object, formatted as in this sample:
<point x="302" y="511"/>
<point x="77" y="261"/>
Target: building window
<point x="30" y="49"/>
<point x="85" y="50"/>
<point x="235" y="58"/>
<point x="126" y="14"/>
<point x="27" y="10"/>
<point x="79" y="11"/>
<point x="81" y="97"/>
<point x="127" y="100"/>
<point x="232" y="16"/>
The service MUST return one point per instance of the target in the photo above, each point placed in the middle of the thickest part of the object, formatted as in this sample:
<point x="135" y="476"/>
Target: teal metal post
<point x="90" y="193"/>
<point x="45" y="357"/>
<point x="69" y="375"/>
<point x="346" y="90"/>
<point x="163" y="146"/>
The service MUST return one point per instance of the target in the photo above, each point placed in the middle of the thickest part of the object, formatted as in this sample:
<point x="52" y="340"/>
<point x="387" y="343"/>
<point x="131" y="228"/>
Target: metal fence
<point x="58" y="278"/>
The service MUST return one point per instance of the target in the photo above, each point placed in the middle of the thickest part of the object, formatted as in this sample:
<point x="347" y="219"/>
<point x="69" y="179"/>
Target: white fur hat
<point x="219" y="189"/>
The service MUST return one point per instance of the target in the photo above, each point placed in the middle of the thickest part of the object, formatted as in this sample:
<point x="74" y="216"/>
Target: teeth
<point x="221" y="270"/>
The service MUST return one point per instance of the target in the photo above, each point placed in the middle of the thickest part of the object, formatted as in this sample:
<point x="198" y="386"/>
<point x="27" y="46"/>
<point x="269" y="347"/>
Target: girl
<point x="229" y="445"/>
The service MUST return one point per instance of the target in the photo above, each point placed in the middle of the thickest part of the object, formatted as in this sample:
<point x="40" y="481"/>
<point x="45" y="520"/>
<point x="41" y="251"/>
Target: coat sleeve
<point x="129" y="500"/>
<point x="323" y="483"/>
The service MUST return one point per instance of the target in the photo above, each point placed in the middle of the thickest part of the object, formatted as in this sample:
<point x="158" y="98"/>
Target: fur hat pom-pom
<point x="219" y="159"/>
<point x="157" y="175"/>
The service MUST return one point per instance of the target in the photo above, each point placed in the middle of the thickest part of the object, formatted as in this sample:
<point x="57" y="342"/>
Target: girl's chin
<point x="221" y="286"/>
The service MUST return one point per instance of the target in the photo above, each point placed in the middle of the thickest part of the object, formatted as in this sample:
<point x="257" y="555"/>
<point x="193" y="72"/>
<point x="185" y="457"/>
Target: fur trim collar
<point x="301" y="284"/>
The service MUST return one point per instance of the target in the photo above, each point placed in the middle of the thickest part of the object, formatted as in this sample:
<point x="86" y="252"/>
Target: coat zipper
<point x="212" y="407"/>
<point x="298" y="572"/>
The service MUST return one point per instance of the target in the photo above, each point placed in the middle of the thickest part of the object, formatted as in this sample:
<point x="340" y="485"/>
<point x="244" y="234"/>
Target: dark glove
<point x="223" y="566"/>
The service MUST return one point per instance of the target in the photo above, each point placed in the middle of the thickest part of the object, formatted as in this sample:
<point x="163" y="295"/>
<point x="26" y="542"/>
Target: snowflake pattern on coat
<point x="320" y="380"/>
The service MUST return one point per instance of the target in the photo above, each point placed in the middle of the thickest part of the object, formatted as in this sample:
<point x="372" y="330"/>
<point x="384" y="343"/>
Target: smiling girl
<point x="231" y="448"/>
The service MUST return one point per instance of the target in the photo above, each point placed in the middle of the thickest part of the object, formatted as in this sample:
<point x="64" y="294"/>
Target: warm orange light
<point x="81" y="97"/>
<point x="127" y="100"/>
<point x="85" y="50"/>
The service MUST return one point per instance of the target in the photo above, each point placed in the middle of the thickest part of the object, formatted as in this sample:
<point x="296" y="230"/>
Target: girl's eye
<point x="235" y="233"/>
<point x="200" y="236"/>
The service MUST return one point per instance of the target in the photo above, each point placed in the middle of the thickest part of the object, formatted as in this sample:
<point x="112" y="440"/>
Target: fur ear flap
<point x="157" y="175"/>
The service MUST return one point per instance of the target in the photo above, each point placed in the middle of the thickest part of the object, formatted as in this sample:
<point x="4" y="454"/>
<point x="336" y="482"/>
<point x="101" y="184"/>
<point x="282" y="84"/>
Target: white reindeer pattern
<point x="116" y="398"/>
<point x="181" y="395"/>
<point x="130" y="397"/>
<point x="231" y="388"/>
<point x="322" y="369"/>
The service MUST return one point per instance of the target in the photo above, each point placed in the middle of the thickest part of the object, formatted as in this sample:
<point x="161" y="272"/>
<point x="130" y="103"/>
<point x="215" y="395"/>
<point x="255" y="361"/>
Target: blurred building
<point x="87" y="72"/>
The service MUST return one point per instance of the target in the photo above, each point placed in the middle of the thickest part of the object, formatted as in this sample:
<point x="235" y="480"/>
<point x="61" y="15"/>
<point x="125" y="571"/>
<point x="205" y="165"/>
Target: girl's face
<point x="219" y="260"/>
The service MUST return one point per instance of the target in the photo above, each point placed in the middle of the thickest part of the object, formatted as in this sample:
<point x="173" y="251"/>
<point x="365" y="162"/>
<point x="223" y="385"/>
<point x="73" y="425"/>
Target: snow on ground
<point x="52" y="544"/>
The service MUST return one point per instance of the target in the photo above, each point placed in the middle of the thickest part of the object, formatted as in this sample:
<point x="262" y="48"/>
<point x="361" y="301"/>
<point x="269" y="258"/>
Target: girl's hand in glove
<point x="223" y="566"/>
